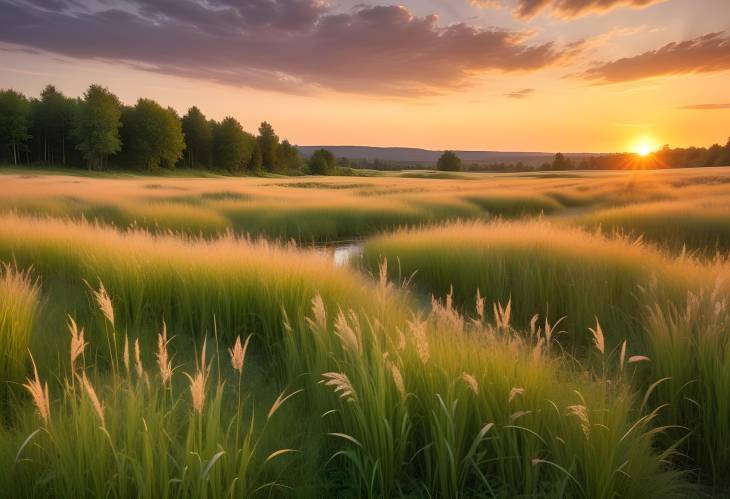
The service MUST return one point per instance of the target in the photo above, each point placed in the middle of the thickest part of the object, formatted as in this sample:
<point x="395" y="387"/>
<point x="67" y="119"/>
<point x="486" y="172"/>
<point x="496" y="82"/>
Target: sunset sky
<point x="511" y="75"/>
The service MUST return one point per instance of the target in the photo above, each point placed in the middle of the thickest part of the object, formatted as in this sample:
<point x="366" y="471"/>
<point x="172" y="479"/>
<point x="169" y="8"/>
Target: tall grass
<point x="134" y="434"/>
<point x="689" y="348"/>
<point x="702" y="227"/>
<point x="451" y="407"/>
<point x="196" y="285"/>
<point x="19" y="304"/>
<point x="546" y="269"/>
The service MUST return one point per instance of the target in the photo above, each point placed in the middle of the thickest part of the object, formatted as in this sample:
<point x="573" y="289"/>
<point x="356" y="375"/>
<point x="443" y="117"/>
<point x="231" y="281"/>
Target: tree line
<point x="97" y="131"/>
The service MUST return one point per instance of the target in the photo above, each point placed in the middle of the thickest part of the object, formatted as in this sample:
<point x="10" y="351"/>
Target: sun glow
<point x="644" y="147"/>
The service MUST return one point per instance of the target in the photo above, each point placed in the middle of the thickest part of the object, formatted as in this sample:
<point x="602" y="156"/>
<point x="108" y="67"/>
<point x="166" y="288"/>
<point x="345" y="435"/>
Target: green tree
<point x="268" y="143"/>
<point x="256" y="163"/>
<point x="53" y="117"/>
<point x="322" y="162"/>
<point x="198" y="138"/>
<point x="152" y="135"/>
<point x="288" y="158"/>
<point x="14" y="122"/>
<point x="232" y="147"/>
<point x="449" y="162"/>
<point x="560" y="162"/>
<point x="97" y="126"/>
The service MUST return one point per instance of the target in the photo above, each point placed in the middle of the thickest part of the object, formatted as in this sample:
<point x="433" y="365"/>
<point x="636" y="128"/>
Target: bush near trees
<point x="449" y="162"/>
<point x="322" y="162"/>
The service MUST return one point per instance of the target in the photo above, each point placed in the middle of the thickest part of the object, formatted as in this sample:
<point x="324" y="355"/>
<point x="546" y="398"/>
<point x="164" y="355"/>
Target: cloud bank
<point x="288" y="45"/>
<point x="565" y="9"/>
<point x="705" y="54"/>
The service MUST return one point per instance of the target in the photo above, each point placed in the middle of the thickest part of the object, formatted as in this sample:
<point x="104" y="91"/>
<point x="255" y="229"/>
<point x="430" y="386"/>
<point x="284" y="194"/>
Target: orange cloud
<point x="565" y="9"/>
<point x="705" y="54"/>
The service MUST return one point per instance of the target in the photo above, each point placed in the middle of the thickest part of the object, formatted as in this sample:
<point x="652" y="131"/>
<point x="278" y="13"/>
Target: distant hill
<point x="411" y="155"/>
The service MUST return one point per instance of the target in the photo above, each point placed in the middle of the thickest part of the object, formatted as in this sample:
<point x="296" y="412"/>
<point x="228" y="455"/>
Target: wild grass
<point x="136" y="434"/>
<point x="334" y="208"/>
<point x="547" y="269"/>
<point x="19" y="306"/>
<point x="702" y="226"/>
<point x="235" y="285"/>
<point x="170" y="351"/>
<point x="457" y="407"/>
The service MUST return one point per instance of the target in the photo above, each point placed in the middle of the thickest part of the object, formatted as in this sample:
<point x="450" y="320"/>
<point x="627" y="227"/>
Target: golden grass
<point x="332" y="208"/>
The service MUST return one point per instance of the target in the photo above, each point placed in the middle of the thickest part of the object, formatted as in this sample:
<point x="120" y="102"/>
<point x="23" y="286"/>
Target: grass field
<point x="542" y="335"/>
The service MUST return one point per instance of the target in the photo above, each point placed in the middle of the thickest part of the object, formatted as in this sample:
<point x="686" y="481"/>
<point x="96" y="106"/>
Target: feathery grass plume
<point x="238" y="354"/>
<point x="96" y="404"/>
<point x="163" y="359"/>
<point x="77" y="342"/>
<point x="417" y="329"/>
<point x="471" y="382"/>
<point x="198" y="382"/>
<point x="125" y="355"/>
<point x="480" y="306"/>
<point x="138" y="359"/>
<point x="622" y="355"/>
<point x="341" y="385"/>
<point x="398" y="380"/>
<point x="103" y="301"/>
<point x="39" y="393"/>
<point x="598" y="340"/>
<point x="349" y="335"/>
<point x="446" y="315"/>
<point x="319" y="312"/>
<point x="514" y="392"/>
<point x="502" y="314"/>
<point x="581" y="412"/>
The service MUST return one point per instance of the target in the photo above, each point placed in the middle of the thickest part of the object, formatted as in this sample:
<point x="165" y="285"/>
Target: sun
<point x="644" y="147"/>
<point x="643" y="150"/>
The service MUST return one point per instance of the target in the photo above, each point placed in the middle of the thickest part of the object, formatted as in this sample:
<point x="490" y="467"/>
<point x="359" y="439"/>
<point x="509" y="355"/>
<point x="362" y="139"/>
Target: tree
<point x="14" y="122"/>
<point x="560" y="162"/>
<point x="449" y="162"/>
<point x="268" y="143"/>
<point x="153" y="135"/>
<point x="288" y="158"/>
<point x="52" y="117"/>
<point x="322" y="162"/>
<point x="97" y="126"/>
<point x="256" y="162"/>
<point x="232" y="147"/>
<point x="198" y="138"/>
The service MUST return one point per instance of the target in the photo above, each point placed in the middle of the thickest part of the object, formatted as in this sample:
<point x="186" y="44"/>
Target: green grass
<point x="543" y="269"/>
<point x="19" y="306"/>
<point x="392" y="397"/>
<point x="702" y="227"/>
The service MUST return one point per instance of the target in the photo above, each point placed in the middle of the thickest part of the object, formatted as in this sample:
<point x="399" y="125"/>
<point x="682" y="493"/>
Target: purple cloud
<point x="565" y="9"/>
<point x="290" y="45"/>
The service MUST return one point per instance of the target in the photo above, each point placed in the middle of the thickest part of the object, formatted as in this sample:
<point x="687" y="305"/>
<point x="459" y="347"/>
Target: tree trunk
<point x="63" y="149"/>
<point x="15" y="154"/>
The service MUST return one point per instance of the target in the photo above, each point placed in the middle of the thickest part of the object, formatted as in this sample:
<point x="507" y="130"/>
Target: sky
<point x="507" y="75"/>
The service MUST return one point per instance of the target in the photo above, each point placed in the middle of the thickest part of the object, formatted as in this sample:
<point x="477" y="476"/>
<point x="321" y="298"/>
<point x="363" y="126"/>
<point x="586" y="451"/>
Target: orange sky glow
<point x="509" y="75"/>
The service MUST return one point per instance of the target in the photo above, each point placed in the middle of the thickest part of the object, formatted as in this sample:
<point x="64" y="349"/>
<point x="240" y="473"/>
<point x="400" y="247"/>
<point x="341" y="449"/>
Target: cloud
<point x="289" y="45"/>
<point x="521" y="94"/>
<point x="705" y="54"/>
<point x="564" y="9"/>
<point x="705" y="107"/>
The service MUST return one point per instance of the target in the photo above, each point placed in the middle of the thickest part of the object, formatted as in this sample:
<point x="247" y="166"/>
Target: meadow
<point x="493" y="335"/>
